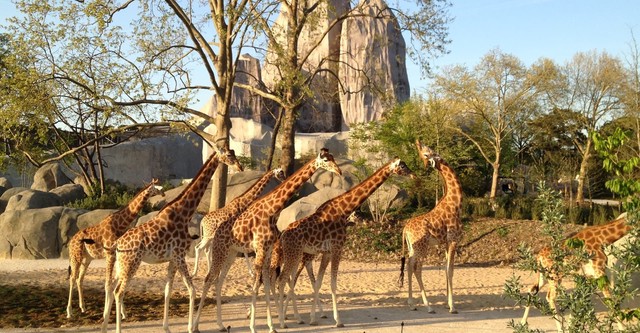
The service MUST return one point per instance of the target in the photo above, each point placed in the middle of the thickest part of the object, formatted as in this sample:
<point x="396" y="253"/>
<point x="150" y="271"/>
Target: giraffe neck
<point x="276" y="199"/>
<point x="346" y="203"/>
<point x="244" y="200"/>
<point x="131" y="211"/>
<point x="184" y="206"/>
<point x="452" y="188"/>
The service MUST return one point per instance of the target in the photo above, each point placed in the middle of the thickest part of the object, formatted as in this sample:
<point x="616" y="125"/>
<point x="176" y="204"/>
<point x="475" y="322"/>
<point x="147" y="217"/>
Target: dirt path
<point x="369" y="299"/>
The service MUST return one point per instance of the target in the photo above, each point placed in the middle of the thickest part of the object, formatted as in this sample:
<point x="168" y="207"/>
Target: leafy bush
<point x="115" y="196"/>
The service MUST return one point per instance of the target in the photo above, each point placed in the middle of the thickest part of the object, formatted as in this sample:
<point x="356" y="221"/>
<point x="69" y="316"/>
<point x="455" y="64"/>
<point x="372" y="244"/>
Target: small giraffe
<point x="104" y="235"/>
<point x="255" y="230"/>
<point x="595" y="239"/>
<point x="165" y="238"/>
<point x="440" y="225"/>
<point x="325" y="231"/>
<point x="213" y="220"/>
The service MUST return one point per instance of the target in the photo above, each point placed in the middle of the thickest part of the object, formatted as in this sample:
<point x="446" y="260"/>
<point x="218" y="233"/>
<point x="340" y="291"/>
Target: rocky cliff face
<point x="367" y="53"/>
<point x="372" y="64"/>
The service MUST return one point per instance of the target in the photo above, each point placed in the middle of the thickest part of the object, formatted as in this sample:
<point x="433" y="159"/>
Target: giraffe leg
<point x="188" y="282"/>
<point x="306" y="263"/>
<point x="171" y="272"/>
<point x="417" y="270"/>
<point x="287" y="276"/>
<point x="551" y="298"/>
<point x="534" y="290"/>
<point x="218" y="270"/>
<point x="410" y="271"/>
<point x="74" y="266"/>
<point x="451" y="253"/>
<point x="316" y="288"/>
<point x="252" y="274"/>
<point x="83" y="270"/>
<point x="335" y="263"/>
<point x="127" y="266"/>
<point x="261" y="265"/>
<point x="312" y="278"/>
<point x="203" y="245"/>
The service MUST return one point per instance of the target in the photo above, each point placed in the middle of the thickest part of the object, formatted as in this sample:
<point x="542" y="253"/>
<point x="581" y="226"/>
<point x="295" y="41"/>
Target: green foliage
<point x="567" y="256"/>
<point x="115" y="196"/>
<point x="374" y="241"/>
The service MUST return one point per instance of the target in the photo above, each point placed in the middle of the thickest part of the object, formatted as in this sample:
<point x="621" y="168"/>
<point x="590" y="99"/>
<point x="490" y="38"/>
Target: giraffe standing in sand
<point x="104" y="235"/>
<point x="165" y="238"/>
<point x="255" y="230"/>
<point x="440" y="225"/>
<point x="213" y="220"/>
<point x="325" y="231"/>
<point x="595" y="239"/>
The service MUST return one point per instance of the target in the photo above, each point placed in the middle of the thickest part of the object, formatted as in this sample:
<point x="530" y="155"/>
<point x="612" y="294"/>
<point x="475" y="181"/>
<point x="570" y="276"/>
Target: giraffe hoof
<point x="431" y="311"/>
<point x="300" y="322"/>
<point x="454" y="311"/>
<point x="313" y="323"/>
<point x="340" y="325"/>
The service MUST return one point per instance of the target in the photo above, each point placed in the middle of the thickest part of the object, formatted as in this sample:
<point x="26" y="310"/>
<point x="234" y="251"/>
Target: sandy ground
<point x="370" y="299"/>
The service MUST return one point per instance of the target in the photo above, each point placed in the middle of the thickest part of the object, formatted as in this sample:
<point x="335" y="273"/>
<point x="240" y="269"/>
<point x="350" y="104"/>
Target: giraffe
<point x="212" y="220"/>
<point x="104" y="235"/>
<point x="256" y="230"/>
<point x="324" y="232"/>
<point x="440" y="225"/>
<point x="595" y="239"/>
<point x="165" y="238"/>
<point x="307" y="258"/>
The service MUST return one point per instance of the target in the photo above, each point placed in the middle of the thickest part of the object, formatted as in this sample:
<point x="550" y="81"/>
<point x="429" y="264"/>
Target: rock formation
<point x="372" y="64"/>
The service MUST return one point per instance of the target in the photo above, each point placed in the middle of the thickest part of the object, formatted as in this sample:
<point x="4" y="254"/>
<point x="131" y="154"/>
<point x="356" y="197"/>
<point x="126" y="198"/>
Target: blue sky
<point x="527" y="29"/>
<point x="530" y="29"/>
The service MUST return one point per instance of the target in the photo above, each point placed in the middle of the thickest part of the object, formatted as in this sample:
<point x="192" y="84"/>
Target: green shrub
<point x="115" y="196"/>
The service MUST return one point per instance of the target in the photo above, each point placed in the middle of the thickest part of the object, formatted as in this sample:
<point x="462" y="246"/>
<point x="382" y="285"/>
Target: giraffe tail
<point x="402" y="262"/>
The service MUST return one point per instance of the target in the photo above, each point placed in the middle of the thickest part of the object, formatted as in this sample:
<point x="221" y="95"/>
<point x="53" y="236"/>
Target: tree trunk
<point x="219" y="179"/>
<point x="582" y="174"/>
<point x="494" y="180"/>
<point x="287" y="143"/>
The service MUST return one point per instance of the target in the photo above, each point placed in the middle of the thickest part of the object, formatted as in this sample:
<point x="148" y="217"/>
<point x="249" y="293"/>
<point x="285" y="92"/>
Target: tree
<point x="592" y="86"/>
<point x="491" y="99"/>
<point x="299" y="68"/>
<point x="130" y="64"/>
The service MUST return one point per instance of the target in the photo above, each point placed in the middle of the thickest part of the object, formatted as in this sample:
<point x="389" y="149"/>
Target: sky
<point x="531" y="29"/>
<point x="527" y="29"/>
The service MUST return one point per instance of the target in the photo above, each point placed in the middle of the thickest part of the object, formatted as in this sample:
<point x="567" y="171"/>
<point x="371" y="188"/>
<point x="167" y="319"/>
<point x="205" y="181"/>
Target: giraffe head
<point x="400" y="168"/>
<point x="228" y="157"/>
<point x="325" y="161"/>
<point x="155" y="189"/>
<point x="278" y="173"/>
<point x="428" y="155"/>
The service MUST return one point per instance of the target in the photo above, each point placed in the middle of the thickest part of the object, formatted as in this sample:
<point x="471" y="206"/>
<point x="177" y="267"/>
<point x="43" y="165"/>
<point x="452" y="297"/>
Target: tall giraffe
<point x="440" y="225"/>
<point x="214" y="219"/>
<point x="104" y="236"/>
<point x="325" y="231"/>
<point x="595" y="239"/>
<point x="255" y="230"/>
<point x="165" y="238"/>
